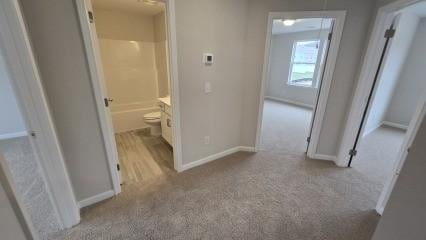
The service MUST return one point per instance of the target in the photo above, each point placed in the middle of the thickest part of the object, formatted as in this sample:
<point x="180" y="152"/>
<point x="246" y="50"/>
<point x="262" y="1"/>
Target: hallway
<point x="266" y="195"/>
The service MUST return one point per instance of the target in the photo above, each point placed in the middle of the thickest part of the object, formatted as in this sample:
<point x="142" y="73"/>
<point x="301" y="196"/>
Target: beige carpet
<point x="274" y="194"/>
<point x="30" y="185"/>
<point x="285" y="127"/>
<point x="377" y="154"/>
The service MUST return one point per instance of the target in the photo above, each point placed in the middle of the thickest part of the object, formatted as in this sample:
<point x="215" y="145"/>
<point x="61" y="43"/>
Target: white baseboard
<point x="13" y="135"/>
<point x="324" y="157"/>
<point x="385" y="123"/>
<point x="395" y="125"/>
<point x="304" y="105"/>
<point x="368" y="131"/>
<point x="95" y="199"/>
<point x="216" y="156"/>
<point x="380" y="211"/>
<point x="247" y="149"/>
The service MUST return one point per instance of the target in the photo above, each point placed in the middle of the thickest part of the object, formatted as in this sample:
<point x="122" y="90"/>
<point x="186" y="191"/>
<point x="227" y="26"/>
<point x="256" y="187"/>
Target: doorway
<point x="21" y="161"/>
<point x="131" y="58"/>
<point x="381" y="131"/>
<point x="31" y="155"/>
<point x="300" y="54"/>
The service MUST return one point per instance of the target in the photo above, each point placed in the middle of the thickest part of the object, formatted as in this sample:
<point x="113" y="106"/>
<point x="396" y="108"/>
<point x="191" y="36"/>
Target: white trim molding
<point x="95" y="199"/>
<point x="324" y="157"/>
<point x="174" y="83"/>
<point x="217" y="156"/>
<point x="395" y="125"/>
<point x="13" y="135"/>
<point x="339" y="17"/>
<point x="299" y="104"/>
<point x="32" y="102"/>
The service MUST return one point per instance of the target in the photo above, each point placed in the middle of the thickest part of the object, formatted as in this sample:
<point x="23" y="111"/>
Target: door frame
<point x="32" y="101"/>
<point x="370" y="64"/>
<point x="321" y="101"/>
<point x="97" y="80"/>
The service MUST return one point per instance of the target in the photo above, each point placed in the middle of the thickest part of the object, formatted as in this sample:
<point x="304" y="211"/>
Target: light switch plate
<point x="207" y="87"/>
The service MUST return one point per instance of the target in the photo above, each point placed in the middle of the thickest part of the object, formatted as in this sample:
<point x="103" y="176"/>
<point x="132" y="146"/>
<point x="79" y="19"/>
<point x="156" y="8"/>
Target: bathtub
<point x="128" y="117"/>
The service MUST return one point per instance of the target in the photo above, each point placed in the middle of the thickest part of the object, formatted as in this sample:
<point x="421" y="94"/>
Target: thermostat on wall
<point x="208" y="58"/>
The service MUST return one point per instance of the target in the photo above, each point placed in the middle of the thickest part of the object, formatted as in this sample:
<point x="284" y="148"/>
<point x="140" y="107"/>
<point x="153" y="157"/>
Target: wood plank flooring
<point x="143" y="157"/>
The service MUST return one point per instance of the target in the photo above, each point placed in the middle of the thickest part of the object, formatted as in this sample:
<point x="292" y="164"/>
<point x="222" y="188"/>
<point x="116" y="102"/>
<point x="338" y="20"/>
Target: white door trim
<point x="97" y="79"/>
<point x="34" y="108"/>
<point x="339" y="17"/>
<point x="371" y="61"/>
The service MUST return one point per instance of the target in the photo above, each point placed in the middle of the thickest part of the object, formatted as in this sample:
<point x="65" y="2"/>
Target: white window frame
<point x="317" y="66"/>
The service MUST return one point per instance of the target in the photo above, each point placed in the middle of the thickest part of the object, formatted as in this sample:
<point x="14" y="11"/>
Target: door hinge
<point x="390" y="33"/>
<point x="353" y="152"/>
<point x="330" y="35"/>
<point x="308" y="139"/>
<point x="90" y="14"/>
<point x="33" y="134"/>
<point x="118" y="167"/>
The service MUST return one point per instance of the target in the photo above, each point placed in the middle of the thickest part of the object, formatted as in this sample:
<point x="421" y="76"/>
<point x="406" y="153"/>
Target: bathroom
<point x="132" y="40"/>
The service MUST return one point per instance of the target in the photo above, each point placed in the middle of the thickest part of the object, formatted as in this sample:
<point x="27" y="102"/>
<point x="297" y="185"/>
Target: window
<point x="303" y="63"/>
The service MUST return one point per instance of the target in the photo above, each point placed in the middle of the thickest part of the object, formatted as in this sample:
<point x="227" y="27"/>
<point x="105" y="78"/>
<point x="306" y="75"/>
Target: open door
<point x="99" y="88"/>
<point x="388" y="35"/>
<point x="321" y="77"/>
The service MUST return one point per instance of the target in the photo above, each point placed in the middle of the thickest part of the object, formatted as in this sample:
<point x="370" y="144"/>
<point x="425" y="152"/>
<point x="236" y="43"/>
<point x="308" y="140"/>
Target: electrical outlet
<point x="207" y="140"/>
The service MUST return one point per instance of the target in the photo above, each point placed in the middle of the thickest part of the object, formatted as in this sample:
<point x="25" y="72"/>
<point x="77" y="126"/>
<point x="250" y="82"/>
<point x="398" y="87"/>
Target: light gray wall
<point x="11" y="120"/>
<point x="279" y="67"/>
<point x="218" y="27"/>
<point x="58" y="47"/>
<point x="392" y="68"/>
<point x="405" y="215"/>
<point x="412" y="84"/>
<point x="352" y="45"/>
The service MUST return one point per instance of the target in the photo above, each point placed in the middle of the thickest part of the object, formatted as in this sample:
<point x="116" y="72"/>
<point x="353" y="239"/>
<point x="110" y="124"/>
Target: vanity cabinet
<point x="166" y="127"/>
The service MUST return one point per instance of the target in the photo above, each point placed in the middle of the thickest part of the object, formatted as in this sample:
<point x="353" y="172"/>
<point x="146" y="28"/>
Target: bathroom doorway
<point x="129" y="49"/>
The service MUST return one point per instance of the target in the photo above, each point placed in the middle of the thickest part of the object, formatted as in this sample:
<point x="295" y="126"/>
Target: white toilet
<point x="154" y="121"/>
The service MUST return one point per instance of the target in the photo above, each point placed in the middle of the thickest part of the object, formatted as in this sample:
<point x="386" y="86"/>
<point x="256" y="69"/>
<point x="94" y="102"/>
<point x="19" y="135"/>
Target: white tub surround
<point x="128" y="117"/>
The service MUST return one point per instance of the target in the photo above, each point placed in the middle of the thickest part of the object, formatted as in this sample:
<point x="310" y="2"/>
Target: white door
<point x="319" y="75"/>
<point x="99" y="88"/>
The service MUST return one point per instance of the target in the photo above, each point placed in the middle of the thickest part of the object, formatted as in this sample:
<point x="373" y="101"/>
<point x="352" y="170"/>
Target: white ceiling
<point x="301" y="25"/>
<point x="418" y="9"/>
<point x="130" y="6"/>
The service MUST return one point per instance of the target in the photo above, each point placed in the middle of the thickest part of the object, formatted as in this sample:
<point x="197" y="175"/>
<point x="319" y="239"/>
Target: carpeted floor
<point x="276" y="193"/>
<point x="30" y="185"/>
<point x="285" y="127"/>
<point x="377" y="154"/>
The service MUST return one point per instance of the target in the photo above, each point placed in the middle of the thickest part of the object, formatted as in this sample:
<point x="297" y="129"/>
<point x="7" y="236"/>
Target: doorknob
<point x="107" y="101"/>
